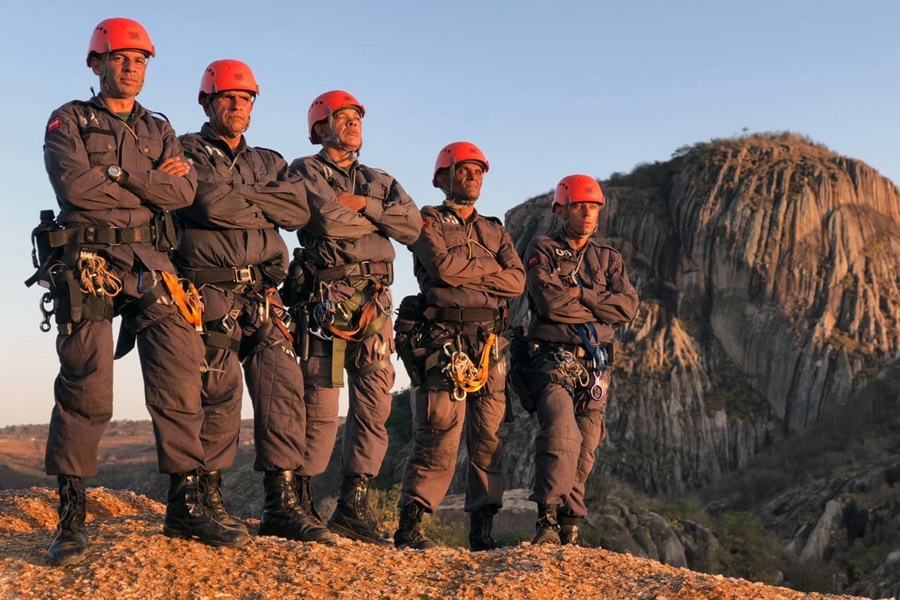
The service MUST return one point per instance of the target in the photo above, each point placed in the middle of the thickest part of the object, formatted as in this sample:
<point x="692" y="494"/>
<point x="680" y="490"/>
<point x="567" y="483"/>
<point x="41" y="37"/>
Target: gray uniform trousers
<point x="570" y="432"/>
<point x="439" y="423"/>
<point x="365" y="438"/>
<point x="171" y="355"/>
<point x="274" y="383"/>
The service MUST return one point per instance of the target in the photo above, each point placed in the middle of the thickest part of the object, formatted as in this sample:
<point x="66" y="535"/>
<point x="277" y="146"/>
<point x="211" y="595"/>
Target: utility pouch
<point x="295" y="288"/>
<point x="69" y="298"/>
<point x="519" y="376"/>
<point x="409" y="322"/>
<point x="165" y="236"/>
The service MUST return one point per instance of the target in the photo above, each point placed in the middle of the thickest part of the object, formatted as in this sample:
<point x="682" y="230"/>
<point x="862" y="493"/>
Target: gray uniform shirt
<point x="81" y="135"/>
<point x="337" y="235"/>
<point x="243" y="197"/>
<point x="607" y="296"/>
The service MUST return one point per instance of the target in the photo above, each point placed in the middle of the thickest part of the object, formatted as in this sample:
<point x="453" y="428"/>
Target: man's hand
<point x="352" y="201"/>
<point x="175" y="165"/>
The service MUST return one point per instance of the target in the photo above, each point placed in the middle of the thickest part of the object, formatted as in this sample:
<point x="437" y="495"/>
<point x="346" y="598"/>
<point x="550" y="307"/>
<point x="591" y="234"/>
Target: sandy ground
<point x="129" y="558"/>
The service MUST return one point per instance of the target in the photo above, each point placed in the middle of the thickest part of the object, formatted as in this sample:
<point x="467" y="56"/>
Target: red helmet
<point x="119" y="34"/>
<point x="329" y="103"/>
<point x="578" y="188"/>
<point x="458" y="152"/>
<point x="225" y="75"/>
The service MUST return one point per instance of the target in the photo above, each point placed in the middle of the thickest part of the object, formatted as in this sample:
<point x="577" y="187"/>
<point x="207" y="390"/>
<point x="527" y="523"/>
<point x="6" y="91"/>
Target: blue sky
<point x="544" y="88"/>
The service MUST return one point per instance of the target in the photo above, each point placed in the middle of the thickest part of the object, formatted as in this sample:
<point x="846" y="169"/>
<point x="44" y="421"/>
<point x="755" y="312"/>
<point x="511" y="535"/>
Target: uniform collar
<point x="137" y="112"/>
<point x="324" y="157"/>
<point x="210" y="135"/>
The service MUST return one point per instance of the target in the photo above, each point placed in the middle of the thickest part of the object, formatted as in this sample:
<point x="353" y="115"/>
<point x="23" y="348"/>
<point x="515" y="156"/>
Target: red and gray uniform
<point x="346" y="246"/>
<point x="82" y="135"/>
<point x="467" y="271"/>
<point x="571" y="425"/>
<point x="231" y="231"/>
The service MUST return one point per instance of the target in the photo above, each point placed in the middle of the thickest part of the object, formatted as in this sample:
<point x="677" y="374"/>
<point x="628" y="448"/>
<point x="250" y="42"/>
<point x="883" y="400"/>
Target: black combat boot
<point x="568" y="531"/>
<point x="547" y="526"/>
<point x="480" y="523"/>
<point x="211" y="488"/>
<point x="282" y="516"/>
<point x="351" y="517"/>
<point x="70" y="542"/>
<point x="408" y="533"/>
<point x="188" y="517"/>
<point x="304" y="498"/>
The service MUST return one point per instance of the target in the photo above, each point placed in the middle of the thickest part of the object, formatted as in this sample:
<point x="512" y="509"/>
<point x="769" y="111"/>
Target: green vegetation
<point x="748" y="550"/>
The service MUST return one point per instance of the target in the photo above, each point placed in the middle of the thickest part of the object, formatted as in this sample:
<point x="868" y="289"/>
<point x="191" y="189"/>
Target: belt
<point x="249" y="274"/>
<point x="362" y="269"/>
<point x="110" y="236"/>
<point x="466" y="315"/>
<point x="547" y="347"/>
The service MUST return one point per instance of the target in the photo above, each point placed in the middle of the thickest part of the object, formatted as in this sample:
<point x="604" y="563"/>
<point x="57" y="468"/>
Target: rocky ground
<point x="130" y="559"/>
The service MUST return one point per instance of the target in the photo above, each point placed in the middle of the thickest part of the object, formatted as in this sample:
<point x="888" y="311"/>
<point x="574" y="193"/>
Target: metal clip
<point x="243" y="275"/>
<point x="598" y="390"/>
<point x="46" y="299"/>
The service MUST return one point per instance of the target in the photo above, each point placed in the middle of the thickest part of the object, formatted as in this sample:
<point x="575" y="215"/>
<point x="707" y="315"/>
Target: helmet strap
<point x="450" y="200"/>
<point x="571" y="233"/>
<point x="334" y="140"/>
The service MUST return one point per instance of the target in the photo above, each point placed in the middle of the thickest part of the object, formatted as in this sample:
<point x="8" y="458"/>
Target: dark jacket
<point x="81" y="135"/>
<point x="337" y="235"/>
<point x="607" y="296"/>
<point x="243" y="197"/>
<point x="471" y="264"/>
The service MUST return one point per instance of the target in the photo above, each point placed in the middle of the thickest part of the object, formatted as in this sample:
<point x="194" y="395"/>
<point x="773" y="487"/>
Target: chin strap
<point x="333" y="139"/>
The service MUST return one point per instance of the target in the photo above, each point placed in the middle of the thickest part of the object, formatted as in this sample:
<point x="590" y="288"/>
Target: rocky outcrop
<point x="767" y="270"/>
<point x="129" y="558"/>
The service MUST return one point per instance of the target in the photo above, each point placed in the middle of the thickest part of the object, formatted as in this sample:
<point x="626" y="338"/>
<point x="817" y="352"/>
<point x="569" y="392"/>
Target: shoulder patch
<point x="533" y="260"/>
<point x="54" y="124"/>
<point x="425" y="223"/>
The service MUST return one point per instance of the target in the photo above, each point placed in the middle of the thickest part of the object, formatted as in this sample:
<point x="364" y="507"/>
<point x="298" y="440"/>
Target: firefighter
<point x="116" y="170"/>
<point x="230" y="248"/>
<point x="578" y="292"/>
<point x="347" y="259"/>
<point x="467" y="269"/>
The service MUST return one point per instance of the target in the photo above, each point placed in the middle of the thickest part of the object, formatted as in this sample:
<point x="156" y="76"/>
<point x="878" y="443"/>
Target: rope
<point x="96" y="279"/>
<point x="466" y="377"/>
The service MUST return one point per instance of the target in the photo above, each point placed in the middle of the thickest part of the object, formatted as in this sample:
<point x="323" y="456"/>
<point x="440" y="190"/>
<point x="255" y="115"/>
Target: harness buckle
<point x="243" y="274"/>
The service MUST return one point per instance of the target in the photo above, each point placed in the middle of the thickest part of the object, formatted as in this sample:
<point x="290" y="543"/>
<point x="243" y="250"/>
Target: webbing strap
<point x="100" y="235"/>
<point x="127" y="338"/>
<point x="249" y="345"/>
<point x="215" y="339"/>
<point x="338" y="352"/>
<point x="248" y="274"/>
<point x="369" y="320"/>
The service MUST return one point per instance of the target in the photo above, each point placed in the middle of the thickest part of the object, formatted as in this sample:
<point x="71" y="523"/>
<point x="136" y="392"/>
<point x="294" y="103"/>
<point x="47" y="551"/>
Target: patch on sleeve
<point x="425" y="223"/>
<point x="533" y="260"/>
<point x="54" y="124"/>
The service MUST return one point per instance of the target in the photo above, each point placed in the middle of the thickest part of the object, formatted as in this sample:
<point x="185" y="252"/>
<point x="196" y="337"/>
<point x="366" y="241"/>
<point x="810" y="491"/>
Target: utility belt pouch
<point x="520" y="377"/>
<point x="165" y="235"/>
<point x="69" y="298"/>
<point x="296" y="288"/>
<point x="410" y="318"/>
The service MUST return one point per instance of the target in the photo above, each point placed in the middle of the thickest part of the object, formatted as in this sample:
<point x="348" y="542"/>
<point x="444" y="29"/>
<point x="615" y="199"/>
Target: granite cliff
<point x="767" y="269"/>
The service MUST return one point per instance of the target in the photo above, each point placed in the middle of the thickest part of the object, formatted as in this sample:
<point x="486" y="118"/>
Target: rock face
<point x="767" y="269"/>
